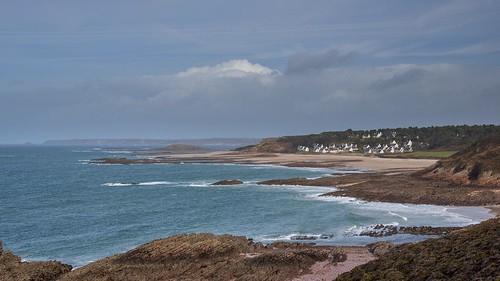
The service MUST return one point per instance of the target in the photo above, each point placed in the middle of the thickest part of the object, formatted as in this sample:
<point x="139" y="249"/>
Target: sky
<point x="197" y="69"/>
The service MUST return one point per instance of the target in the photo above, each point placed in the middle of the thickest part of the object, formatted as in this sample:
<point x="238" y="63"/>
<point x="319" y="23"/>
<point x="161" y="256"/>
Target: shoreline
<point x="356" y="161"/>
<point x="378" y="179"/>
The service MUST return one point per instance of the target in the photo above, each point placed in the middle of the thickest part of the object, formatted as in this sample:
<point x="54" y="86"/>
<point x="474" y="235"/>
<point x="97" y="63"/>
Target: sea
<point x="56" y="205"/>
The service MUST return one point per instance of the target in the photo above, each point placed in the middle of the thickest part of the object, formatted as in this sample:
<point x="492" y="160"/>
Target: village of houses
<point x="391" y="147"/>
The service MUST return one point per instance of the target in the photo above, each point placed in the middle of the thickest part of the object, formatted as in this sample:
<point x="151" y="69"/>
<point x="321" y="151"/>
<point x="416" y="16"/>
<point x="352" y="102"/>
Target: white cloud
<point x="233" y="68"/>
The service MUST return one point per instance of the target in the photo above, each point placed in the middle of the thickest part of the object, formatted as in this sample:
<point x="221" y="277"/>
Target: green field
<point x="423" y="154"/>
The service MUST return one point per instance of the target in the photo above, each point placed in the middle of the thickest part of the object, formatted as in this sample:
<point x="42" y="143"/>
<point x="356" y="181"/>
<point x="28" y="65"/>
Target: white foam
<point x="356" y="230"/>
<point x="117" y="151"/>
<point x="116" y="184"/>
<point x="150" y="183"/>
<point x="454" y="216"/>
<point x="199" y="184"/>
<point x="398" y="215"/>
<point x="154" y="183"/>
<point x="286" y="237"/>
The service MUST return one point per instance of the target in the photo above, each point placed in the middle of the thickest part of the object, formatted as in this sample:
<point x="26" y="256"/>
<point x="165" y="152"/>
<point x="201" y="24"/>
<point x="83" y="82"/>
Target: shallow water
<point x="54" y="205"/>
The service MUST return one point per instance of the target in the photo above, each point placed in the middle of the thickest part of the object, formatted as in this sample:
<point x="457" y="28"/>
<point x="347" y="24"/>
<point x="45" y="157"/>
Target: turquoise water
<point x="54" y="205"/>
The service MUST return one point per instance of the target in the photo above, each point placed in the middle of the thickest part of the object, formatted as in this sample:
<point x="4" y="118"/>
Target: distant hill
<point x="184" y="148"/>
<point x="469" y="254"/>
<point x="478" y="163"/>
<point x="426" y="138"/>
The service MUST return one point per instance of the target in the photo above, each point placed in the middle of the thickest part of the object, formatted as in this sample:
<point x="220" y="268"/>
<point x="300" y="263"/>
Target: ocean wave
<point x="296" y="236"/>
<point x="149" y="183"/>
<point x="398" y="215"/>
<point x="199" y="184"/>
<point x="356" y="230"/>
<point x="117" y="151"/>
<point x="154" y="183"/>
<point x="454" y="216"/>
<point x="116" y="184"/>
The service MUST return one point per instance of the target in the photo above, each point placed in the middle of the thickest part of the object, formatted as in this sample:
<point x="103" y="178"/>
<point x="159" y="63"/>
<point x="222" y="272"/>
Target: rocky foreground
<point x="13" y="269"/>
<point x="472" y="253"/>
<point x="465" y="255"/>
<point x="208" y="257"/>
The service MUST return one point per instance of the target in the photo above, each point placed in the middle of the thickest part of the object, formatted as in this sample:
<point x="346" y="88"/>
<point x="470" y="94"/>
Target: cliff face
<point x="477" y="164"/>
<point x="469" y="254"/>
<point x="206" y="257"/>
<point x="13" y="269"/>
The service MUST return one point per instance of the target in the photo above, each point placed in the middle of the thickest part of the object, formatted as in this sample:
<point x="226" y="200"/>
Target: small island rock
<point x="228" y="182"/>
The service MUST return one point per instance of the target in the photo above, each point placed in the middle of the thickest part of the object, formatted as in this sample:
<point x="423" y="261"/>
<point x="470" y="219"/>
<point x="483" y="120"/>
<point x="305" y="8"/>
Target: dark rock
<point x="303" y="237"/>
<point x="227" y="182"/>
<point x="381" y="230"/>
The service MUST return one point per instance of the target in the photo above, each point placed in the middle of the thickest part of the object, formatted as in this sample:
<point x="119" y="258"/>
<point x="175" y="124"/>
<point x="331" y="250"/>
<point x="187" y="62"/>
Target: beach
<point x="357" y="161"/>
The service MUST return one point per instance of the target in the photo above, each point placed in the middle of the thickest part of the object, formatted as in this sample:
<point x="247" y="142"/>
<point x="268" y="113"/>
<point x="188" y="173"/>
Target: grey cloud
<point x="309" y="62"/>
<point x="410" y="76"/>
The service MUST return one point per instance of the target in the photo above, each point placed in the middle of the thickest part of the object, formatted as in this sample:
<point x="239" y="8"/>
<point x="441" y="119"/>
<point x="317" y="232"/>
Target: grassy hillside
<point x="427" y="138"/>
<point x="478" y="163"/>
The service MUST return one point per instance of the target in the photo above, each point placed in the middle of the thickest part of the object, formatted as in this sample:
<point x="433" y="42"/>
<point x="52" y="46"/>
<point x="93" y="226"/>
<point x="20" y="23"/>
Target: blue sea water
<point x="55" y="205"/>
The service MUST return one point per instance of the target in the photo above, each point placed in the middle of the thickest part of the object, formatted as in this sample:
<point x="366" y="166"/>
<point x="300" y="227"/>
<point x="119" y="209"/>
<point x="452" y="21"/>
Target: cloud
<point x="317" y="61"/>
<point x="232" y="68"/>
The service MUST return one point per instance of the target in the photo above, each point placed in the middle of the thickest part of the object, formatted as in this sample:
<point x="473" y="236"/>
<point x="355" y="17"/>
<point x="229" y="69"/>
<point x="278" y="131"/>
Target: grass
<point x="423" y="154"/>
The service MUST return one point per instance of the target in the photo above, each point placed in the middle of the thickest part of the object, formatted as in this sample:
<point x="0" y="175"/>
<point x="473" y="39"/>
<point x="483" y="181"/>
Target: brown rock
<point x="207" y="257"/>
<point x="13" y="269"/>
<point x="380" y="248"/>
<point x="227" y="182"/>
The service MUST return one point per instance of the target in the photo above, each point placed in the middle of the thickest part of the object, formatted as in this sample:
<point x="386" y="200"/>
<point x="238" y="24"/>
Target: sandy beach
<point x="356" y="161"/>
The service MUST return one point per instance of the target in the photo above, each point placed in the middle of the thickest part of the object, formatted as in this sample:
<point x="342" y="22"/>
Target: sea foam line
<point x="149" y="183"/>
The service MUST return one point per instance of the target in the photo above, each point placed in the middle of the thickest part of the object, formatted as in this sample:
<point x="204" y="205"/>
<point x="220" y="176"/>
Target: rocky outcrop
<point x="227" y="182"/>
<point x="382" y="230"/>
<point x="380" y="248"/>
<point x="469" y="254"/>
<point x="400" y="187"/>
<point x="207" y="257"/>
<point x="478" y="164"/>
<point x="13" y="269"/>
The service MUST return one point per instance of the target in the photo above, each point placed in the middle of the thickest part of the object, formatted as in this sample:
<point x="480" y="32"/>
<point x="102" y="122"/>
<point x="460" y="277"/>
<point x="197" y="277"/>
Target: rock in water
<point x="227" y="182"/>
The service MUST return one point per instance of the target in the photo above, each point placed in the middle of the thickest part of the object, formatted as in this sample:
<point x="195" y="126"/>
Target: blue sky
<point x="177" y="69"/>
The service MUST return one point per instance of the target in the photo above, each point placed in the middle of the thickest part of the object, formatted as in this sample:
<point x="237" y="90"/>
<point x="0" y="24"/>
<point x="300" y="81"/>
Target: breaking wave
<point x="149" y="183"/>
